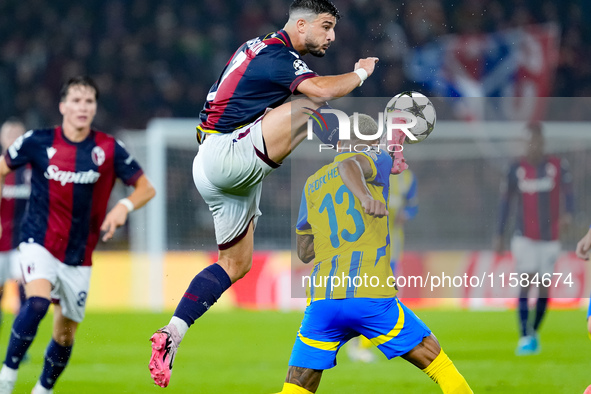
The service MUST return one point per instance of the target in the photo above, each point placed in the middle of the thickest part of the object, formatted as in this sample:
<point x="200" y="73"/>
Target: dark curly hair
<point x="316" y="6"/>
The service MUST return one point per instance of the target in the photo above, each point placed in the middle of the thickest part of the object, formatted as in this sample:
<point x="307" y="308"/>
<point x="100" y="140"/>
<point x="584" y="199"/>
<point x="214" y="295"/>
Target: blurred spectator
<point x="158" y="58"/>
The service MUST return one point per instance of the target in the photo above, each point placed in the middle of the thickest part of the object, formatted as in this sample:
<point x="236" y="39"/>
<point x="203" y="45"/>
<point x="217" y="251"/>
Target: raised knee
<point x="242" y="268"/>
<point x="64" y="337"/>
<point x="236" y="268"/>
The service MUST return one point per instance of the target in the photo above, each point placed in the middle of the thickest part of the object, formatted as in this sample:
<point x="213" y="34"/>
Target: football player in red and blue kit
<point x="74" y="169"/>
<point x="247" y="129"/>
<point x="541" y="187"/>
<point x="15" y="194"/>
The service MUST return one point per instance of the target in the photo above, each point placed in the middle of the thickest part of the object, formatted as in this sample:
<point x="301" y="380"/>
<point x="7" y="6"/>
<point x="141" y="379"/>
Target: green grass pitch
<point x="247" y="352"/>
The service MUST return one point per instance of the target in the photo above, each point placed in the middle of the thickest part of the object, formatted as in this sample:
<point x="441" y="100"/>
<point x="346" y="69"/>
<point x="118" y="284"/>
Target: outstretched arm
<point x="584" y="246"/>
<point x="143" y="192"/>
<point x="4" y="170"/>
<point x="354" y="171"/>
<point x="334" y="86"/>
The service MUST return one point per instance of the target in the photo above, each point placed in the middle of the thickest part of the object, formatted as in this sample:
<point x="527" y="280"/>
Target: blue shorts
<point x="589" y="310"/>
<point x="329" y="324"/>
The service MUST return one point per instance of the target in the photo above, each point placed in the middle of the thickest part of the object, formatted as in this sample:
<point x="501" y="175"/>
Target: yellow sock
<point x="444" y="373"/>
<point x="290" y="388"/>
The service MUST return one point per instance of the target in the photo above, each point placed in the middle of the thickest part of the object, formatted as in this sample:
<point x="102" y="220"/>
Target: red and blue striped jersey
<point x="538" y="191"/>
<point x="261" y="74"/>
<point x="70" y="187"/>
<point x="15" y="194"/>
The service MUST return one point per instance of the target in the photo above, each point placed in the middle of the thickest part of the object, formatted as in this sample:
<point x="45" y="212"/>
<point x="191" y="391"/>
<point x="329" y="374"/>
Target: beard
<point x="314" y="50"/>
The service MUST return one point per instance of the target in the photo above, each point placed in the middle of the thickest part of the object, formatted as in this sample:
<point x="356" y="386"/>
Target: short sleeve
<point x="126" y="167"/>
<point x="383" y="164"/>
<point x="371" y="158"/>
<point x="21" y="151"/>
<point x="302" y="226"/>
<point x="288" y="69"/>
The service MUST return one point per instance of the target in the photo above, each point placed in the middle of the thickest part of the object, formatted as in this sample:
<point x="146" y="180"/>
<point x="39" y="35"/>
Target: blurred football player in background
<point x="74" y="169"/>
<point x="541" y="187"/>
<point x="15" y="194"/>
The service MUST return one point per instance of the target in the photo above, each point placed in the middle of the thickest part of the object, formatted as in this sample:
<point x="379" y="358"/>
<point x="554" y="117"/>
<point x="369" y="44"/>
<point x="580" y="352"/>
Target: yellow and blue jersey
<point x="348" y="243"/>
<point x="403" y="201"/>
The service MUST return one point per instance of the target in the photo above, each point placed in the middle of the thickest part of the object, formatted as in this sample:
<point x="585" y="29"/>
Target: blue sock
<point x="56" y="359"/>
<point x="540" y="312"/>
<point x="523" y="315"/>
<point x="203" y="292"/>
<point x="24" y="329"/>
<point x="325" y="126"/>
<point x="22" y="296"/>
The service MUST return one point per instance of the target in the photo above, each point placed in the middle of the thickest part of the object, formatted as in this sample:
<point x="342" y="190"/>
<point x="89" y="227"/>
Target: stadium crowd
<point x="158" y="58"/>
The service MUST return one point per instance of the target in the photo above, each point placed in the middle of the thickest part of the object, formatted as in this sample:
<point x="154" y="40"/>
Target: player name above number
<point x="65" y="177"/>
<point x="256" y="45"/>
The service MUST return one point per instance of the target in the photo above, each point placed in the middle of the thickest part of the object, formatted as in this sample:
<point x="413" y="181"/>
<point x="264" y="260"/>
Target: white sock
<point x="39" y="389"/>
<point x="7" y="373"/>
<point x="180" y="325"/>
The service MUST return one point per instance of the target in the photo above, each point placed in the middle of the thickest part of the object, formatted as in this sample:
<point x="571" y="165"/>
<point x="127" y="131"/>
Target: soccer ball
<point x="418" y="105"/>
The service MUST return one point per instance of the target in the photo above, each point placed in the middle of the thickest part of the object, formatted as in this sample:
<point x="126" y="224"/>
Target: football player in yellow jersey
<point x="343" y="226"/>
<point x="402" y="206"/>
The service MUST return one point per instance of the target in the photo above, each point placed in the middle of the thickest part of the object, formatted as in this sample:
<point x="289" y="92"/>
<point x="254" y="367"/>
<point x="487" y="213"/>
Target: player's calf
<point x="301" y="380"/>
<point x="431" y="359"/>
<point x="443" y="372"/>
<point x="24" y="329"/>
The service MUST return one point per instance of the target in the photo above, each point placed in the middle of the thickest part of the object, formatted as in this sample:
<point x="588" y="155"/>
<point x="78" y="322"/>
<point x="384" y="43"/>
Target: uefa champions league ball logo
<point x="410" y="112"/>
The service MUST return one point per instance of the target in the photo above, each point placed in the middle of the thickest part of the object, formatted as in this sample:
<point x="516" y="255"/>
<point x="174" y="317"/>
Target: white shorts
<point x="69" y="283"/>
<point x="9" y="266"/>
<point x="533" y="256"/>
<point x="228" y="171"/>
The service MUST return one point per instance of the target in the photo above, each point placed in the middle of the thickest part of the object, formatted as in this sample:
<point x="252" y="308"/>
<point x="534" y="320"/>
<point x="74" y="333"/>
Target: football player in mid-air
<point x="343" y="226"/>
<point x="74" y="169"/>
<point x="246" y="131"/>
